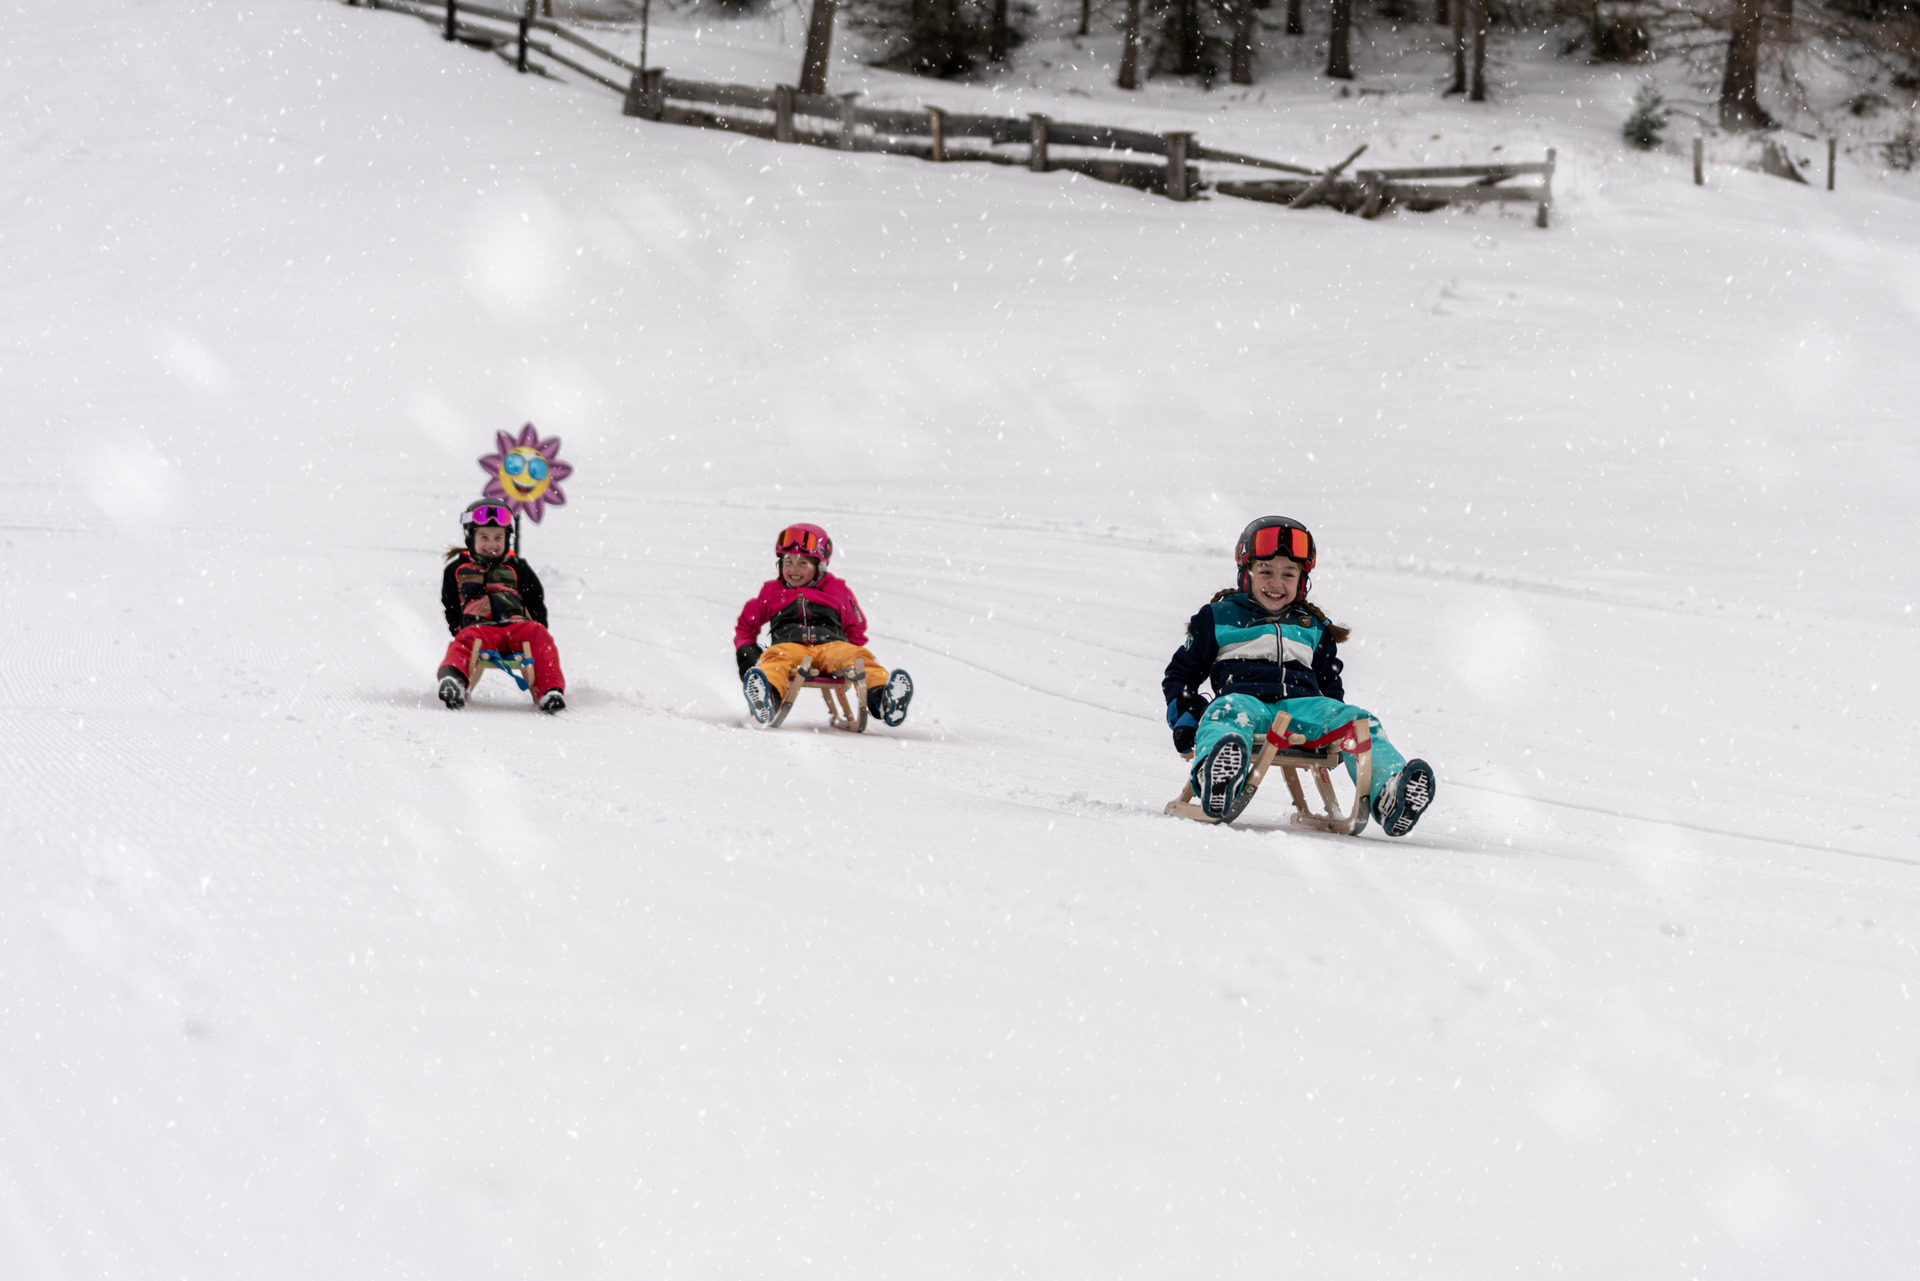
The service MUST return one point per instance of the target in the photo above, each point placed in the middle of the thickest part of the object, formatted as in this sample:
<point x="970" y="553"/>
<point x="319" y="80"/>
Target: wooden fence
<point x="1372" y="191"/>
<point x="1163" y="163"/>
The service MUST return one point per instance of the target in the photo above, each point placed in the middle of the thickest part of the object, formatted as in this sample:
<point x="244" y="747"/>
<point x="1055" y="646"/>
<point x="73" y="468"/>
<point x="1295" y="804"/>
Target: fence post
<point x="846" y="121"/>
<point x="1177" y="165"/>
<point x="646" y="94"/>
<point x="1699" y="171"/>
<point x="450" y="7"/>
<point x="1546" y="191"/>
<point x="526" y="16"/>
<point x="783" y="113"/>
<point x="1833" y="147"/>
<point x="1037" y="137"/>
<point x="1373" y="193"/>
<point x="935" y="120"/>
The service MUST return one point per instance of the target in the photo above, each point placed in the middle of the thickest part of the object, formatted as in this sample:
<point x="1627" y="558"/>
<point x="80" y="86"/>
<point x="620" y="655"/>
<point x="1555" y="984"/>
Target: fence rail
<point x="1158" y="162"/>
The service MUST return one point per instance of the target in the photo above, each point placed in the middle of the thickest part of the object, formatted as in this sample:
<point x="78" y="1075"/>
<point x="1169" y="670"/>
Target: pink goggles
<point x="488" y="516"/>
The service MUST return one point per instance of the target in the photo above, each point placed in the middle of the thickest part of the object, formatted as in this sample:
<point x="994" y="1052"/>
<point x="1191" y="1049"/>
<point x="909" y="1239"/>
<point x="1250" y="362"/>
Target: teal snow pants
<point x="1250" y="719"/>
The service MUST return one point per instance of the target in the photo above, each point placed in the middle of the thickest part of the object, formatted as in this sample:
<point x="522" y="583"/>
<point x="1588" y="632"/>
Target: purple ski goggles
<point x="488" y="516"/>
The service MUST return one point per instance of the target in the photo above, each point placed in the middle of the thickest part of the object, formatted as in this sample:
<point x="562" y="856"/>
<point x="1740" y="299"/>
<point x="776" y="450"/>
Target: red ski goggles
<point x="803" y="541"/>
<point x="1295" y="544"/>
<point x="488" y="516"/>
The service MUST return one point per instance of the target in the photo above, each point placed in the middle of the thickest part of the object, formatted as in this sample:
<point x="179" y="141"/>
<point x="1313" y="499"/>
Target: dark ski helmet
<point x="1274" y="536"/>
<point x="804" y="540"/>
<point x="485" y="512"/>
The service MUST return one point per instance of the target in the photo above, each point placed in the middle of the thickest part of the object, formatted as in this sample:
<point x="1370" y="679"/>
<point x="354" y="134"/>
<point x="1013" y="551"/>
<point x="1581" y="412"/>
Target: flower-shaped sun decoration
<point x="526" y="473"/>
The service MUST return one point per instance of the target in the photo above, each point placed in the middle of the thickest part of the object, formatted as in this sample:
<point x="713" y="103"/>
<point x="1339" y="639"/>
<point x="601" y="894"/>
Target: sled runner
<point x="519" y="666"/>
<point x="1292" y="753"/>
<point x="845" y="713"/>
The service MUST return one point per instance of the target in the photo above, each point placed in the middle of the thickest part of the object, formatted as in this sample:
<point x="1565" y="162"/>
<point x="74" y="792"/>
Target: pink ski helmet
<point x="804" y="540"/>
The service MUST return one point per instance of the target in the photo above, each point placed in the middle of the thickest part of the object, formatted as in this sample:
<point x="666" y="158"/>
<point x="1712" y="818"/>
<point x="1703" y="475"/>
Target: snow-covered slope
<point x="306" y="977"/>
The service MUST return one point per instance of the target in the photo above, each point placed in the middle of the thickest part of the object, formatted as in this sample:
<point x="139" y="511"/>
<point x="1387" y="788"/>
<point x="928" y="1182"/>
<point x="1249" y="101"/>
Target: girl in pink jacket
<point x="812" y="615"/>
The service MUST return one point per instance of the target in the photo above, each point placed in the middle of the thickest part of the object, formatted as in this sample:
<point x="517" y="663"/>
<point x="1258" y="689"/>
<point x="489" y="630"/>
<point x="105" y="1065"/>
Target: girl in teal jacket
<point x="1266" y="650"/>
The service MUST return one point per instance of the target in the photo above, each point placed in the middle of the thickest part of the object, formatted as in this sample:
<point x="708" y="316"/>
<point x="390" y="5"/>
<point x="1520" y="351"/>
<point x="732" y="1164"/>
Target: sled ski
<point x="849" y="714"/>
<point x="518" y="666"/>
<point x="1292" y="753"/>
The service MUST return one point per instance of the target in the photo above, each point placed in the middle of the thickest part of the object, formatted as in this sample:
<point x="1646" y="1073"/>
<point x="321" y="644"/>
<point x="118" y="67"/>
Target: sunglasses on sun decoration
<point x="799" y="540"/>
<point x="490" y="516"/>
<point x="1266" y="542"/>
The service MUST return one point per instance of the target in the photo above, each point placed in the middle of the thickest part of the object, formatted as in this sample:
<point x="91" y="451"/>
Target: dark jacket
<point x="1243" y="650"/>
<point x="501" y="591"/>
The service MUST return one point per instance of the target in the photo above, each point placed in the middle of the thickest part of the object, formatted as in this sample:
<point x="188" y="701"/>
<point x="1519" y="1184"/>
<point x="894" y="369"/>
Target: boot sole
<point x="1222" y="767"/>
<point x="1416" y="793"/>
<point x="896" y="705"/>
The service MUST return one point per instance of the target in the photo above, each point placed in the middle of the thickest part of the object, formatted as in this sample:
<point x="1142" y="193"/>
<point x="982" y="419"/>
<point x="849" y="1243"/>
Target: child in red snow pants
<point x="506" y="638"/>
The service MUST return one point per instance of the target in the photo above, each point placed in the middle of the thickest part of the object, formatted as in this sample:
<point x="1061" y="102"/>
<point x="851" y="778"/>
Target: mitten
<point x="746" y="656"/>
<point x="1183" y="714"/>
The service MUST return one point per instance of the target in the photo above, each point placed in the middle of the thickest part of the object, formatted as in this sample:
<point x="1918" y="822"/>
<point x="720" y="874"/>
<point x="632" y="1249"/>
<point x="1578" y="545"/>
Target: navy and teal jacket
<point x="1244" y="650"/>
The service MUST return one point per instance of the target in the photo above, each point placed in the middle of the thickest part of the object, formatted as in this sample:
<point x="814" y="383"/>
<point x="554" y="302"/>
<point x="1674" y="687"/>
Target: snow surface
<point x="305" y="977"/>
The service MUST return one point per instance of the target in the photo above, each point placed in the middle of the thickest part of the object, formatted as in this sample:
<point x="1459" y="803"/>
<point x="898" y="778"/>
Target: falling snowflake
<point x="526" y="472"/>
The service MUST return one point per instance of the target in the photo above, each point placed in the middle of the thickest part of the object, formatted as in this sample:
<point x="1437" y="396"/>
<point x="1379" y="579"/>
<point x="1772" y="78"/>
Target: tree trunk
<point x="1479" y="91"/>
<point x="1740" y="89"/>
<point x="1130" y="48"/>
<point x="1459" y="84"/>
<point x="997" y="39"/>
<point x="1086" y="15"/>
<point x="813" y="67"/>
<point x="1187" y="60"/>
<point x="1339" y="61"/>
<point x="1243" y="44"/>
<point x="1295" y="25"/>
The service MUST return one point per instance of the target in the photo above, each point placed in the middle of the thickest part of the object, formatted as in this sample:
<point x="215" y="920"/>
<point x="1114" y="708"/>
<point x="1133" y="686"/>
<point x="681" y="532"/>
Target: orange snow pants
<point x="780" y="662"/>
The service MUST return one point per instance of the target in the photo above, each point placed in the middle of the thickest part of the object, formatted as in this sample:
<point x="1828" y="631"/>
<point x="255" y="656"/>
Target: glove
<point x="1183" y="714"/>
<point x="746" y="656"/>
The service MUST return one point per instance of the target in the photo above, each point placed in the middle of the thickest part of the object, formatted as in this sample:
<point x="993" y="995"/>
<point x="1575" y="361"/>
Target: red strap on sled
<point x="1348" y="741"/>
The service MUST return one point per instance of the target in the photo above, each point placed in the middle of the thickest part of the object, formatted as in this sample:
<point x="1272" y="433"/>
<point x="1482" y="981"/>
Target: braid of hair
<point x="1334" y="629"/>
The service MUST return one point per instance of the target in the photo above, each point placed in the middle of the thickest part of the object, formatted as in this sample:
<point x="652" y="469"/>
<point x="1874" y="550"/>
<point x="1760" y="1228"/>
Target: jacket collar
<point x="1246" y="601"/>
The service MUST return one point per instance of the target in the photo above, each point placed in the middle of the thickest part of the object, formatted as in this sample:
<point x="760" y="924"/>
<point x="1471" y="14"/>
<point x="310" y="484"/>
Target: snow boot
<point x="888" y="703"/>
<point x="1403" y="798"/>
<point x="553" y="701"/>
<point x="762" y="702"/>
<point x="1219" y="780"/>
<point x="453" y="692"/>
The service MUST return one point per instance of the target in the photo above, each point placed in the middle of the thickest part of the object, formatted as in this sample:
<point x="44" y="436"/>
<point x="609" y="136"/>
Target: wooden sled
<point x="849" y="714"/>
<point x="519" y="666"/>
<point x="1291" y="753"/>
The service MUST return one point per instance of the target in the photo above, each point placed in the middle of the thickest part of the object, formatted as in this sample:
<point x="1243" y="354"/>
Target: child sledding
<point x="818" y="637"/>
<point x="497" y="612"/>
<point x="1272" y="658"/>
